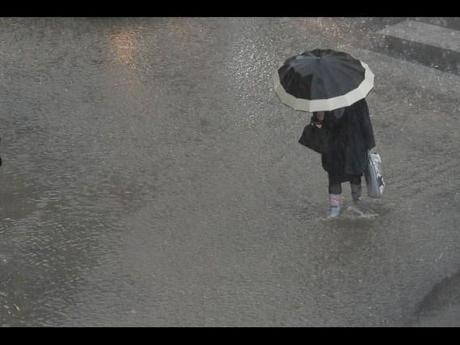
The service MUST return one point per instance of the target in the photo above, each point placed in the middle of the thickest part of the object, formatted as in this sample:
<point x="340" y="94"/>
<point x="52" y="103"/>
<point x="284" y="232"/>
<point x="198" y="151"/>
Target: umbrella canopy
<point x="322" y="80"/>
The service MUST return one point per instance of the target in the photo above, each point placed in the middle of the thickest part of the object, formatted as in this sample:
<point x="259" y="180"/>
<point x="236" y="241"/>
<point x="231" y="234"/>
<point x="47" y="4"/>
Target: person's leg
<point x="335" y="197"/>
<point x="335" y="188"/>
<point x="357" y="207"/>
<point x="356" y="191"/>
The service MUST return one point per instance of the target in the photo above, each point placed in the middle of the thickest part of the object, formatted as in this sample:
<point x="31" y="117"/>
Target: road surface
<point x="151" y="177"/>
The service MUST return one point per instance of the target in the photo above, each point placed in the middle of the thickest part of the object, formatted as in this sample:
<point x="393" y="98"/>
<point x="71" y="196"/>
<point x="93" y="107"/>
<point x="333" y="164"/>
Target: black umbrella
<point x="322" y="80"/>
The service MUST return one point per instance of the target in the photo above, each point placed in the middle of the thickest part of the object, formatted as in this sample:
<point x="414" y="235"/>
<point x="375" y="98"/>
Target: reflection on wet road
<point x="151" y="177"/>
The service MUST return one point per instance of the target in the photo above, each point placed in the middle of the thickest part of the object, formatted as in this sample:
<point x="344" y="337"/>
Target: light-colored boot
<point x="335" y="205"/>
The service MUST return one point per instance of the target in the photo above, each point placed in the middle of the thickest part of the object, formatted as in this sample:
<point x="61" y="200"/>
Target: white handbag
<point x="373" y="175"/>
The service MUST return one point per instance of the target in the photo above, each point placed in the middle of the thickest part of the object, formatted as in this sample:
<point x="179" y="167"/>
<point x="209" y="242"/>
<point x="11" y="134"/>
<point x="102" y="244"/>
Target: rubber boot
<point x="357" y="206"/>
<point x="356" y="191"/>
<point x="335" y="205"/>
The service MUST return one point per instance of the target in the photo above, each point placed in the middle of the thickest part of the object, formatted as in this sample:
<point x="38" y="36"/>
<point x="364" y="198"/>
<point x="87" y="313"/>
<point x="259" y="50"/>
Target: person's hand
<point x="318" y="119"/>
<point x="318" y="124"/>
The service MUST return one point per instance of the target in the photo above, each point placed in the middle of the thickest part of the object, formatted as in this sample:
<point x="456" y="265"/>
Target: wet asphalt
<point x="151" y="177"/>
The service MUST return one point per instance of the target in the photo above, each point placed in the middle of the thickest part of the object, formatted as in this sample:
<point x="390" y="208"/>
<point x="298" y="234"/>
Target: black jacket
<point x="350" y="137"/>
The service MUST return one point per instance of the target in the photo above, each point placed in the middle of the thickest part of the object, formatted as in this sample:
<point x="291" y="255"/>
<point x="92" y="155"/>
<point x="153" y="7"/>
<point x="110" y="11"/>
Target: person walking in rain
<point x="332" y="85"/>
<point x="350" y="137"/>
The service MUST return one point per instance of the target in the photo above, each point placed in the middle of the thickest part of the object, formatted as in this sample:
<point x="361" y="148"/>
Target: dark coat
<point x="350" y="138"/>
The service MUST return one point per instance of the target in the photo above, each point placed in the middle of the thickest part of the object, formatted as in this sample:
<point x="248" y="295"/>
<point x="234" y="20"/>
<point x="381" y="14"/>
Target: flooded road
<point x="151" y="177"/>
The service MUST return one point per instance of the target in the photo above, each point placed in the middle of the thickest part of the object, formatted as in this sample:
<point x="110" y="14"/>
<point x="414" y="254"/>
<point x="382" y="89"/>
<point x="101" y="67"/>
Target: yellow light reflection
<point x="124" y="46"/>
